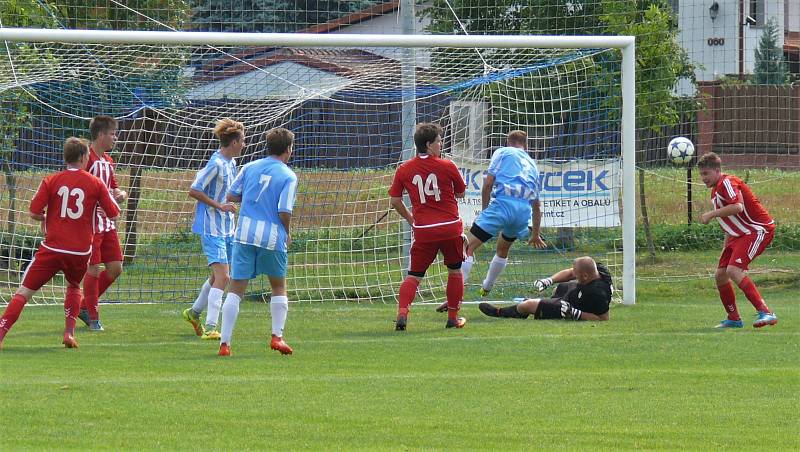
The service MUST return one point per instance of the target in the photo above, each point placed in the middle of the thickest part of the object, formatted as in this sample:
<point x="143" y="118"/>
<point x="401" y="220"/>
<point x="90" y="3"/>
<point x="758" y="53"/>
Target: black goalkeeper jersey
<point x="595" y="296"/>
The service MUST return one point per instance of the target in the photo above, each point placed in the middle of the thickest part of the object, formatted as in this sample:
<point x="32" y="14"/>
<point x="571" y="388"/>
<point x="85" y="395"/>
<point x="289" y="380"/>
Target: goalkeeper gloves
<point x="568" y="312"/>
<point x="542" y="284"/>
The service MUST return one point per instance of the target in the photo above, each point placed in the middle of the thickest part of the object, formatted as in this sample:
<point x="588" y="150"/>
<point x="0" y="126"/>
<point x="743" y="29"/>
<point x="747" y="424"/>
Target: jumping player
<point x="748" y="231"/>
<point x="105" y="249"/>
<point x="65" y="202"/>
<point x="214" y="222"/>
<point x="432" y="184"/>
<point x="512" y="185"/>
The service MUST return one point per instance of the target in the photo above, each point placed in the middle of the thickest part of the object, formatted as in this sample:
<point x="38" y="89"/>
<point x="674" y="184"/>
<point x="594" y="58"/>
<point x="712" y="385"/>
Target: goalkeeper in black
<point x="583" y="293"/>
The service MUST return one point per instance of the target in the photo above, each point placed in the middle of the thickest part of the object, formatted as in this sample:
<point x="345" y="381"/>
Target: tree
<point x="14" y="101"/>
<point x="269" y="16"/>
<point x="660" y="60"/>
<point x="770" y="65"/>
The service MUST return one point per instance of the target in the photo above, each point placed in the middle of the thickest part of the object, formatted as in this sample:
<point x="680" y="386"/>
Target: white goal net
<point x="352" y="104"/>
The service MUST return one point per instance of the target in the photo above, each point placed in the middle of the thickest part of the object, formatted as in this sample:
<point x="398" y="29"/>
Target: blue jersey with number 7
<point x="267" y="187"/>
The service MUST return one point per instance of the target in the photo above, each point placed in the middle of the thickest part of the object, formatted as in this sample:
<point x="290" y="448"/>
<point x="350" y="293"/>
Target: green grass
<point x="655" y="376"/>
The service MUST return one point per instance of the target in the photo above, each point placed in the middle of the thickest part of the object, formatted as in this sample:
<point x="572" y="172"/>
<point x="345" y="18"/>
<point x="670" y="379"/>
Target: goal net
<point x="353" y="109"/>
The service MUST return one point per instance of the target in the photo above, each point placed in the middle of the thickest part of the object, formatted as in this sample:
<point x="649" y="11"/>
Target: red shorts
<point x="740" y="251"/>
<point x="46" y="263"/>
<point x="105" y="248"/>
<point x="424" y="253"/>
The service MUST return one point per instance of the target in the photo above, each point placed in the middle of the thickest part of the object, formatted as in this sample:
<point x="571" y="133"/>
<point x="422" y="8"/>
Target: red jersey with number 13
<point x="70" y="198"/>
<point x="431" y="184"/>
<point x="752" y="220"/>
<point x="102" y="167"/>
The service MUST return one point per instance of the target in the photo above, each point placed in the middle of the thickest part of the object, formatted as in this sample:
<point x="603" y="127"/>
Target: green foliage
<point x="770" y="66"/>
<point x="134" y="15"/>
<point x="272" y="16"/>
<point x="660" y="59"/>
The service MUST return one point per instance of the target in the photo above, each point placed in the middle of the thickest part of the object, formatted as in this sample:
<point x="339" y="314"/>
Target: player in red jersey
<point x="432" y="184"/>
<point x="105" y="249"/>
<point x="66" y="203"/>
<point x="748" y="231"/>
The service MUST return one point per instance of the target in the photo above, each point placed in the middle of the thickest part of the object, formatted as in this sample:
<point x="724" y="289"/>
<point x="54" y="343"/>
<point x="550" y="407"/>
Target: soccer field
<point x="656" y="376"/>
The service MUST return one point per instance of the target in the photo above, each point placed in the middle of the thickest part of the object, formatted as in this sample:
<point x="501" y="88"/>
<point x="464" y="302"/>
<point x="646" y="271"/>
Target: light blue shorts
<point x="250" y="261"/>
<point x="218" y="249"/>
<point x="512" y="217"/>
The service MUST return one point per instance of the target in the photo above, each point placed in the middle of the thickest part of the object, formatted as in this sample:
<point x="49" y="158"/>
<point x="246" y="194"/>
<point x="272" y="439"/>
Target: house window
<point x="757" y="12"/>
<point x="674" y="5"/>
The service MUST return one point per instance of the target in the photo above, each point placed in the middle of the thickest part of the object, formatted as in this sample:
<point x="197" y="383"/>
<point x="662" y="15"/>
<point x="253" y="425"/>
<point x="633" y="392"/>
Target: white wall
<point x="714" y="61"/>
<point x="792" y="11"/>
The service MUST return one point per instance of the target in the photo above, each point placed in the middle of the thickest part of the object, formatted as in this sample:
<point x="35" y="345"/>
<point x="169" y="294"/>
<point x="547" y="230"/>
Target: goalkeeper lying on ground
<point x="585" y="298"/>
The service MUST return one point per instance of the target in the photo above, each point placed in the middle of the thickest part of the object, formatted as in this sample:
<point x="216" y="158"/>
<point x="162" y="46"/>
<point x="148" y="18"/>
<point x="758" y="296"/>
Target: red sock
<point x="11" y="314"/>
<point x="455" y="292"/>
<point x="728" y="297"/>
<point x="408" y="290"/>
<point x="103" y="284"/>
<point x="752" y="294"/>
<point x="90" y="296"/>
<point x="72" y="304"/>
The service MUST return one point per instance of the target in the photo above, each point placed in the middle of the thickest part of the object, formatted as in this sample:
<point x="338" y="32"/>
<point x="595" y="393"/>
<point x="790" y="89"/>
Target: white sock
<point x="202" y="298"/>
<point x="466" y="267"/>
<point x="230" y="312"/>
<point x="278" y="307"/>
<point x="214" y="303"/>
<point x="495" y="268"/>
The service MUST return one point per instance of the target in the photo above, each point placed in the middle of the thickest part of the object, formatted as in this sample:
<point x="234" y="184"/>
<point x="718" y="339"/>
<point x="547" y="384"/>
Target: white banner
<point x="578" y="193"/>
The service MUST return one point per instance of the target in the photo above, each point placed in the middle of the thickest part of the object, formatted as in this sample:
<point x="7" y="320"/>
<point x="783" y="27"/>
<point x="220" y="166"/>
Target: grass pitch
<point x="655" y="376"/>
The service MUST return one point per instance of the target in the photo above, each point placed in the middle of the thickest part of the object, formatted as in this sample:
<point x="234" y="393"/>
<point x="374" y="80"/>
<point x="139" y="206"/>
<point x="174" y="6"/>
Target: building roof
<point x="791" y="43"/>
<point x="256" y="52"/>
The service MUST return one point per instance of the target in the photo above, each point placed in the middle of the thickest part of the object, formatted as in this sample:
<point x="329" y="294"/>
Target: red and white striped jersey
<point x="69" y="199"/>
<point x="103" y="169"/>
<point x="753" y="219"/>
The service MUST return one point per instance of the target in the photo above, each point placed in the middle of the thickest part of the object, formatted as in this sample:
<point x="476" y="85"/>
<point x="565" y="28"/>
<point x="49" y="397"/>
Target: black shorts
<point x="551" y="308"/>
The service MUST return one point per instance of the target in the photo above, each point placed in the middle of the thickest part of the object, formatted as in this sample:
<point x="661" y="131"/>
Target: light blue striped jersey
<point x="214" y="180"/>
<point x="515" y="174"/>
<point x="267" y="187"/>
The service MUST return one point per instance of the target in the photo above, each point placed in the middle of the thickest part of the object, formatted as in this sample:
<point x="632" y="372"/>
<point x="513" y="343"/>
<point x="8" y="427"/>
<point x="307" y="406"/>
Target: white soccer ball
<point x="680" y="150"/>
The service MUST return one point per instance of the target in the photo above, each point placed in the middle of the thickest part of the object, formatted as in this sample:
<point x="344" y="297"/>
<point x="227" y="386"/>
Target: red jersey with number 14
<point x="752" y="220"/>
<point x="69" y="199"/>
<point x="431" y="184"/>
<point x="102" y="167"/>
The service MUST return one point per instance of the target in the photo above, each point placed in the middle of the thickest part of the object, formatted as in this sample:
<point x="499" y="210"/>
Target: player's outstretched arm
<point x="536" y="220"/>
<point x="562" y="276"/>
<point x="486" y="190"/>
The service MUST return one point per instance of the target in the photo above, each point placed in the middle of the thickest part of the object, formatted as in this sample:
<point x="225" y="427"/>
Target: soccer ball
<point x="680" y="150"/>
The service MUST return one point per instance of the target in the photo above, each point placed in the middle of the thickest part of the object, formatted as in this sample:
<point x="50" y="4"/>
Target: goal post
<point x="505" y="88"/>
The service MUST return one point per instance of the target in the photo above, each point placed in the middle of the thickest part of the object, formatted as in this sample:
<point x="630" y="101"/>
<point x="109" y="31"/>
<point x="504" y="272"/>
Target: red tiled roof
<point x="791" y="42"/>
<point x="333" y="25"/>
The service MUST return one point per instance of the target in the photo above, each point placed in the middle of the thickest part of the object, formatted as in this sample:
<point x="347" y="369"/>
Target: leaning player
<point x="432" y="184"/>
<point x="213" y="221"/>
<point x="583" y="293"/>
<point x="105" y="249"/>
<point x="266" y="189"/>
<point x="65" y="202"/>
<point x="748" y="231"/>
<point x="512" y="185"/>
